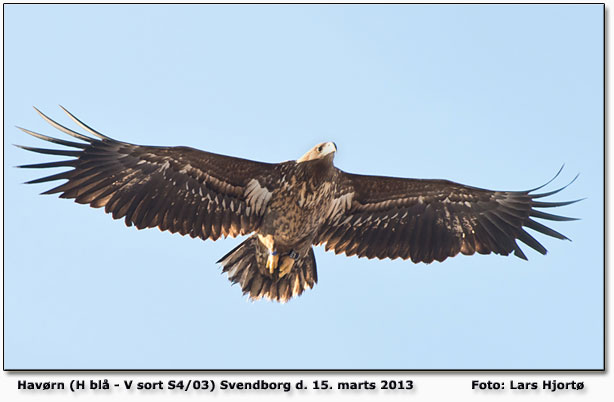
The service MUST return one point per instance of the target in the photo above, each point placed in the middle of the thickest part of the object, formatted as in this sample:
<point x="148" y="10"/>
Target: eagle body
<point x="292" y="217"/>
<point x="289" y="207"/>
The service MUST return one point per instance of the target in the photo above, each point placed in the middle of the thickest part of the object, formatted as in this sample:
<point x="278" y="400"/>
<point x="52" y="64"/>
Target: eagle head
<point x="319" y="152"/>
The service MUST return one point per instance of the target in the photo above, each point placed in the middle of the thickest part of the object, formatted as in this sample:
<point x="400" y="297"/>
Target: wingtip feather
<point x="534" y="196"/>
<point x="85" y="126"/>
<point x="60" y="127"/>
<point x="549" y="181"/>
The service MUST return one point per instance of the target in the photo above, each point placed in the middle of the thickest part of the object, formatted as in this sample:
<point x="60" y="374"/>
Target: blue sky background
<point x="494" y="96"/>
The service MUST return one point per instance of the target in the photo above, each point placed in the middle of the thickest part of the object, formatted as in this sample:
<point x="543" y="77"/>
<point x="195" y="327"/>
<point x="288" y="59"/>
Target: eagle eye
<point x="320" y="148"/>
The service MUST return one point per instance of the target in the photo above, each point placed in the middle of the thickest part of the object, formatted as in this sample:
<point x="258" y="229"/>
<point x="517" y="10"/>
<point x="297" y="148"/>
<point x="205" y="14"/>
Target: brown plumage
<point x="289" y="207"/>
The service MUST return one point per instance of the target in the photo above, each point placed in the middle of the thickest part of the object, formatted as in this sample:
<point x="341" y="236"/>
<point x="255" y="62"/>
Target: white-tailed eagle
<point x="289" y="207"/>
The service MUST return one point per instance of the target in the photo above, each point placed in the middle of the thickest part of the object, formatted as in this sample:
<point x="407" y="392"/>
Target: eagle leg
<point x="272" y="261"/>
<point x="286" y="266"/>
<point x="287" y="262"/>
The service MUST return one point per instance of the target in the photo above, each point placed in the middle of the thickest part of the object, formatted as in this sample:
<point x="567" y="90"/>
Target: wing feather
<point x="428" y="220"/>
<point x="179" y="189"/>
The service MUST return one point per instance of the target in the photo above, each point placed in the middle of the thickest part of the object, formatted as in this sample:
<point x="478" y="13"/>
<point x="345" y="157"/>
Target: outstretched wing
<point x="179" y="189"/>
<point x="427" y="220"/>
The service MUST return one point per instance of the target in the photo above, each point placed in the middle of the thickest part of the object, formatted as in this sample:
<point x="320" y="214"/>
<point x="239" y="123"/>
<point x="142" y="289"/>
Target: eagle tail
<point x="246" y="265"/>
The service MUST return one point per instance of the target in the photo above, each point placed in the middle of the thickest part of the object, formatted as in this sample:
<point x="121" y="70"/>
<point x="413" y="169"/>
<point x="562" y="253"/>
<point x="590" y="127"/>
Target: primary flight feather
<point x="289" y="207"/>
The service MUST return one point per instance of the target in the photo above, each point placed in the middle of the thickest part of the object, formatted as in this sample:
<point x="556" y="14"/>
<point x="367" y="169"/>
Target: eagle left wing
<point x="178" y="189"/>
<point x="427" y="220"/>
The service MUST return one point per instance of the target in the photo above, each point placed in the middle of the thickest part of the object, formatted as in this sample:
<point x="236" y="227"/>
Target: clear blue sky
<point x="494" y="96"/>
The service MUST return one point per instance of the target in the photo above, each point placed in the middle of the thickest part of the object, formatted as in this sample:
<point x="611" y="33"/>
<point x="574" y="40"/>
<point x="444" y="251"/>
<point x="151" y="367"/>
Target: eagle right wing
<point x="178" y="189"/>
<point x="428" y="220"/>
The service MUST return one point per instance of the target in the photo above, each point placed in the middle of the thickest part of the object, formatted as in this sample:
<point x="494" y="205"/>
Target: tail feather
<point x="246" y="265"/>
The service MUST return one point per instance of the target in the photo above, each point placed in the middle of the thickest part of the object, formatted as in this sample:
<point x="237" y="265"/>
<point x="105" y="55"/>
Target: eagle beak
<point x="330" y="148"/>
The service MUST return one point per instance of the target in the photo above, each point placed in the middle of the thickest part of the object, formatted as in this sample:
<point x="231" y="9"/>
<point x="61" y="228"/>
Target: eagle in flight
<point x="289" y="207"/>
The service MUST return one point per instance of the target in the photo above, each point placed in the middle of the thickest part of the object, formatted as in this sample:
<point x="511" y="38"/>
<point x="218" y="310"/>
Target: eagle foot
<point x="287" y="262"/>
<point x="272" y="262"/>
